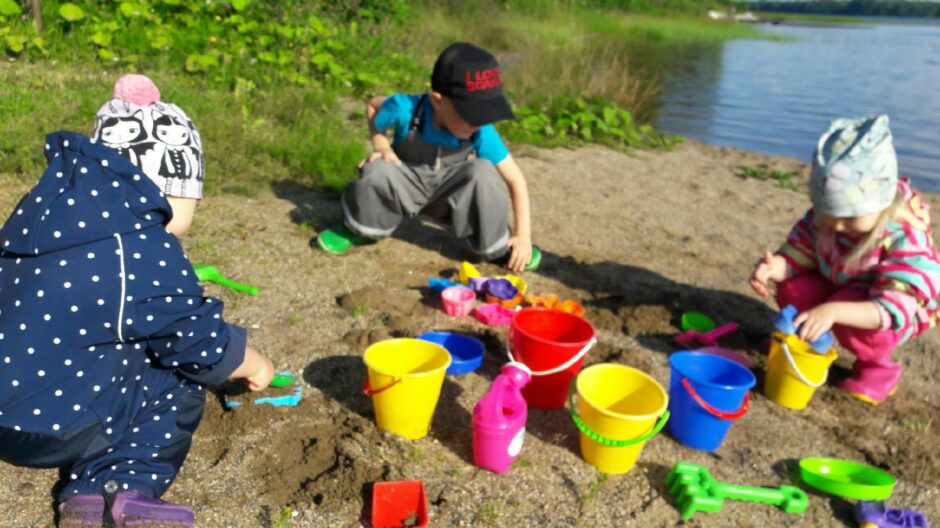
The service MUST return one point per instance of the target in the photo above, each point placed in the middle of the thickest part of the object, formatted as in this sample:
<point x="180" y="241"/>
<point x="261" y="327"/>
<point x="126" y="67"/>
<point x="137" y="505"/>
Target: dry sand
<point x="638" y="239"/>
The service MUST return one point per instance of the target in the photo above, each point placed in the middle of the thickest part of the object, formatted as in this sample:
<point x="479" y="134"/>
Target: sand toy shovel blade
<point x="208" y="272"/>
<point x="694" y="489"/>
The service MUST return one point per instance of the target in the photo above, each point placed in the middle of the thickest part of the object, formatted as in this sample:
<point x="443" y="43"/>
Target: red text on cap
<point x="482" y="79"/>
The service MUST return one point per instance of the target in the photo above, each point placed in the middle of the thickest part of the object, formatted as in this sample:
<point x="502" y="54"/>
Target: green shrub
<point x="334" y="44"/>
<point x="578" y="120"/>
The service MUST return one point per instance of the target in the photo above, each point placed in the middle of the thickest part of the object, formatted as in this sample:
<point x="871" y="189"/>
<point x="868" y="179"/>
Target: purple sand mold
<point x="501" y="289"/>
<point x="478" y="284"/>
<point x="877" y="513"/>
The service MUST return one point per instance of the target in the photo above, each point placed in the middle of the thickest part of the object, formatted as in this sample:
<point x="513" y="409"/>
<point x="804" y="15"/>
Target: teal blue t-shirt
<point x="398" y="109"/>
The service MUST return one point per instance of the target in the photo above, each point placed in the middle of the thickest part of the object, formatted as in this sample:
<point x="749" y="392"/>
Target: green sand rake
<point x="694" y="489"/>
<point x="208" y="272"/>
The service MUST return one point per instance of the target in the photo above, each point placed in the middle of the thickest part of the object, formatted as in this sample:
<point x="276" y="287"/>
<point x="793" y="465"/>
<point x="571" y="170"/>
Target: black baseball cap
<point x="470" y="77"/>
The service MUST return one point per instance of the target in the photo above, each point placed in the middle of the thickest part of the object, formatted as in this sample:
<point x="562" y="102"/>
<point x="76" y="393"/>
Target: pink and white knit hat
<point x="155" y="136"/>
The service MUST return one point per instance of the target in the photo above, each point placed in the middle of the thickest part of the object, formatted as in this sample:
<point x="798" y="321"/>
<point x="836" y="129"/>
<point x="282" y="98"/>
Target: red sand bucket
<point x="552" y="344"/>
<point x="399" y="504"/>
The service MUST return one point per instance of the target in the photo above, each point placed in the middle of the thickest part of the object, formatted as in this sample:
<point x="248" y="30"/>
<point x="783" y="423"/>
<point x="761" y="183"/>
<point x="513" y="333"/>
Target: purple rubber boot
<point x="130" y="508"/>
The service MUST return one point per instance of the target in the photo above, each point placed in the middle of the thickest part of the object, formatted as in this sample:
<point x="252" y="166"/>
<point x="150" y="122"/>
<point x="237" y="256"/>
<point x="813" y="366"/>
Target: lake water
<point x="777" y="97"/>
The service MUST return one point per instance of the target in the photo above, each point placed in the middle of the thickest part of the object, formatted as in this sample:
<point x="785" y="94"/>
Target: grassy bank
<point x="277" y="88"/>
<point x="797" y="18"/>
<point x="822" y="19"/>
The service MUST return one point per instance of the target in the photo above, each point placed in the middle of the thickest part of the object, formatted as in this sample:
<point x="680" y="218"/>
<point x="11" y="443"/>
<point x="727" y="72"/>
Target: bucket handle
<point x="796" y="370"/>
<point x="564" y="366"/>
<point x="724" y="415"/>
<point x="369" y="391"/>
<point x="588" y="432"/>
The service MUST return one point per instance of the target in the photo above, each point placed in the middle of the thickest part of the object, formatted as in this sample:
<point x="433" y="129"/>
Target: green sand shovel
<point x="208" y="272"/>
<point x="283" y="379"/>
<point x="694" y="489"/>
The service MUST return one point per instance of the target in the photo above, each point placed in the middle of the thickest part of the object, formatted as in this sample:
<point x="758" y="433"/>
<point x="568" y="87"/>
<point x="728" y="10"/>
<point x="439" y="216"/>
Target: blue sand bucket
<point x="466" y="353"/>
<point x="707" y="393"/>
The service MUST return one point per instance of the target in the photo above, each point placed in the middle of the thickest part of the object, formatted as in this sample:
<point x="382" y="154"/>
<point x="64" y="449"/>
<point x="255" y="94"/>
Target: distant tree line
<point x="631" y="6"/>
<point x="897" y="8"/>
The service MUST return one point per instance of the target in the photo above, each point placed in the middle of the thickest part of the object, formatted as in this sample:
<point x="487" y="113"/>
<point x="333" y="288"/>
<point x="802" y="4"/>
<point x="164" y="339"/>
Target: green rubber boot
<point x="338" y="240"/>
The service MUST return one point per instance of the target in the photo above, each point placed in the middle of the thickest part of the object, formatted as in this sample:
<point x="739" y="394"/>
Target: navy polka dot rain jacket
<point x="94" y="291"/>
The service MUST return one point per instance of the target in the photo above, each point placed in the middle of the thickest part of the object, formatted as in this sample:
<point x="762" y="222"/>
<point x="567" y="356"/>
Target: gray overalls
<point x="436" y="181"/>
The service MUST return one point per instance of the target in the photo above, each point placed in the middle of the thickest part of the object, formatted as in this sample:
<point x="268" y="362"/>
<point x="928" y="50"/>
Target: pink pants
<point x="807" y="291"/>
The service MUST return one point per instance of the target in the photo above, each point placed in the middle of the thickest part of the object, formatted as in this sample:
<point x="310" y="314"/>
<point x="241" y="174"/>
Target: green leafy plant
<point x="575" y="120"/>
<point x="413" y="453"/>
<point x="267" y="43"/>
<point x="596" y="486"/>
<point x="784" y="179"/>
<point x="488" y="513"/>
<point x="71" y="12"/>
<point x="917" y="425"/>
<point x="284" y="518"/>
<point x="9" y="8"/>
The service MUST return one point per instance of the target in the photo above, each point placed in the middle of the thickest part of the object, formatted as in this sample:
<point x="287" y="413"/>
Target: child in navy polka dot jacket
<point x="106" y="341"/>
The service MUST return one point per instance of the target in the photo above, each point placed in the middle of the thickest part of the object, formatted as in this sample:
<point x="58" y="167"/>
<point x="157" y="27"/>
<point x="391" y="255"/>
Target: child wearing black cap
<point x="427" y="168"/>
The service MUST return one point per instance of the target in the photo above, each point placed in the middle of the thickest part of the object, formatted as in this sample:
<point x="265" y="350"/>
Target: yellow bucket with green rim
<point x="620" y="408"/>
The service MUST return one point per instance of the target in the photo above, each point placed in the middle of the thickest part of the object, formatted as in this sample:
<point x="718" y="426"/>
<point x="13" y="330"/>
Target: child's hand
<point x="815" y="322"/>
<point x="262" y="378"/>
<point x="521" y="253"/>
<point x="386" y="154"/>
<point x="760" y="277"/>
<point x="256" y="369"/>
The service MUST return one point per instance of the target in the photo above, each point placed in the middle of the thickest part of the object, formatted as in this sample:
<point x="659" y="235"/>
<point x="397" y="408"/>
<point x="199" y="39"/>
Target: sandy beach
<point x="637" y="238"/>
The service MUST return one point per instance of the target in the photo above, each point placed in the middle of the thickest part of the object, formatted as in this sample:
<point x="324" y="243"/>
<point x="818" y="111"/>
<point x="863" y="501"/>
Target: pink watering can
<point x="499" y="420"/>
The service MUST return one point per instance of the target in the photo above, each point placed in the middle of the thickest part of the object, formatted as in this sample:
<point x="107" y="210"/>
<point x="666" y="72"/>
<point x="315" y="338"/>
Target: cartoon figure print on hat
<point x="156" y="136"/>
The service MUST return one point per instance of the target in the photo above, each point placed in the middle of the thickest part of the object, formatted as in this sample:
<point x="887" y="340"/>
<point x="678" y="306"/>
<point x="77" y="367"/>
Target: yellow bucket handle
<point x="588" y="432"/>
<point x="796" y="370"/>
<point x="564" y="366"/>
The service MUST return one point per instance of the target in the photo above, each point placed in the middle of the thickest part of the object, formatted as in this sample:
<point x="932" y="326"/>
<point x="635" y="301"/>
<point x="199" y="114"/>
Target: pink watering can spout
<point x="499" y="420"/>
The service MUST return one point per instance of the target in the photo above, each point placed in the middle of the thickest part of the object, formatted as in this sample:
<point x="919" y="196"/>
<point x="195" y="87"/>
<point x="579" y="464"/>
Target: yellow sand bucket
<point x="621" y="408"/>
<point x="405" y="378"/>
<point x="794" y="370"/>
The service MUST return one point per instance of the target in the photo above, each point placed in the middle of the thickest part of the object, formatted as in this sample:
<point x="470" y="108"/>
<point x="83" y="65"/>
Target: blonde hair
<point x="873" y="237"/>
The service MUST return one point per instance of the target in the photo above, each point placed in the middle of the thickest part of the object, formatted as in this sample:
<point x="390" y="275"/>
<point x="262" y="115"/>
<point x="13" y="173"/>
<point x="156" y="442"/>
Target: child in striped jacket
<point x="862" y="261"/>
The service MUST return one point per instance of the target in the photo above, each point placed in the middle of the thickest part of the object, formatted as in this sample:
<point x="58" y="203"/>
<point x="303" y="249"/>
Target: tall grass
<point x="592" y="66"/>
<point x="265" y="120"/>
<point x="251" y="138"/>
<point x="558" y="48"/>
